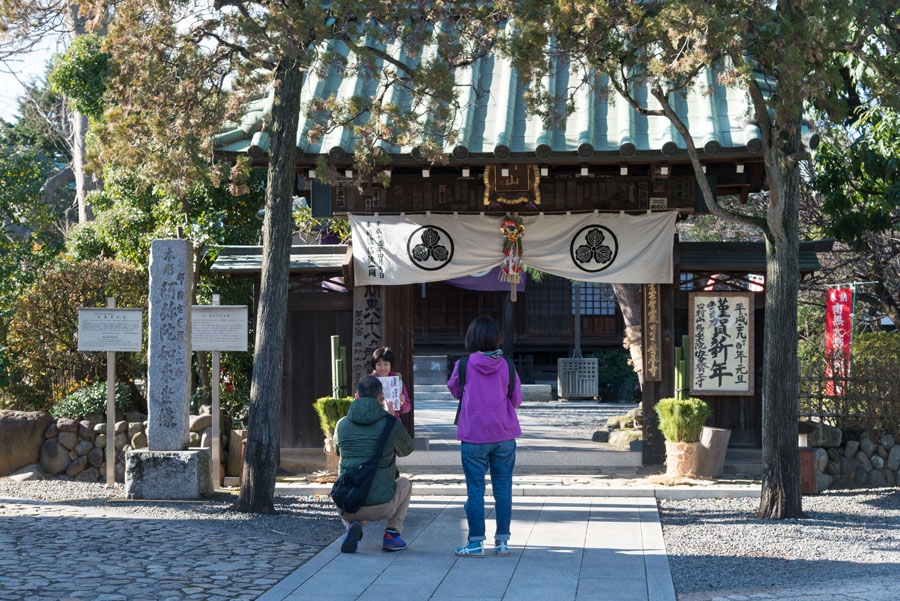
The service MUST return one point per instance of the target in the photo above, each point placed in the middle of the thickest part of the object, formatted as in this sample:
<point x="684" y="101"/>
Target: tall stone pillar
<point x="167" y="469"/>
<point x="169" y="377"/>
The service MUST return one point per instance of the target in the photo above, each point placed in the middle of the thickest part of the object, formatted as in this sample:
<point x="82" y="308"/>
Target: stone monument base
<point x="168" y="474"/>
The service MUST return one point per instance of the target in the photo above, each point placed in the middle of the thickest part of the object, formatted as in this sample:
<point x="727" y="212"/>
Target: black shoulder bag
<point x="350" y="490"/>
<point x="462" y="382"/>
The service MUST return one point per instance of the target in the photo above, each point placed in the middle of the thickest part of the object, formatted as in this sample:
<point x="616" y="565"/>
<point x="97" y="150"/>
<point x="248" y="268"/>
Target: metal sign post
<point x="111" y="330"/>
<point x="217" y="328"/>
<point x="110" y="408"/>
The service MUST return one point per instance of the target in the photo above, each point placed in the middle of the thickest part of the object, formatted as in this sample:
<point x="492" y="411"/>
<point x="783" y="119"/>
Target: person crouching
<point x="356" y="439"/>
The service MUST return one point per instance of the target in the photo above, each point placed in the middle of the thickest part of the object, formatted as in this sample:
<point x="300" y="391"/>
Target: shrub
<point x="89" y="400"/>
<point x="42" y="331"/>
<point x="331" y="410"/>
<point x="616" y="378"/>
<point x="682" y="420"/>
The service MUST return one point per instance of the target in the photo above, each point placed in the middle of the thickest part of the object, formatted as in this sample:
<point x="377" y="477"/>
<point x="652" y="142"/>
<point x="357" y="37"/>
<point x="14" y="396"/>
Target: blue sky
<point x="26" y="68"/>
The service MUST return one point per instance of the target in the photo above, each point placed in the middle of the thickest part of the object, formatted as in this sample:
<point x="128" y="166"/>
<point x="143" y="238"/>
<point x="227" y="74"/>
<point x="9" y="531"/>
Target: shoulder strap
<point x="385" y="432"/>
<point x="461" y="372"/>
<point x="512" y="378"/>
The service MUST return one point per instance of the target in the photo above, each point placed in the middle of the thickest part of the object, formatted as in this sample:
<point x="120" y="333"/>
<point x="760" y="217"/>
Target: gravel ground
<point x="718" y="544"/>
<point x="577" y="419"/>
<point x="306" y="520"/>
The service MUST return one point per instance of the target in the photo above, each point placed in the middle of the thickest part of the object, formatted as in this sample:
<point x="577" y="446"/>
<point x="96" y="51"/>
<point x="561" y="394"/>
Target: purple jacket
<point x="487" y="414"/>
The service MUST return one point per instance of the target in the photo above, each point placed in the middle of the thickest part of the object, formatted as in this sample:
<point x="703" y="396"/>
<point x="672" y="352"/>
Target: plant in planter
<point x="330" y="410"/>
<point x="681" y="421"/>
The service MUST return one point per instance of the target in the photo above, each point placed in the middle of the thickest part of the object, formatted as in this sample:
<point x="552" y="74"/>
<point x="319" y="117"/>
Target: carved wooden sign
<point x="650" y="332"/>
<point x="512" y="184"/>
<point x="721" y="328"/>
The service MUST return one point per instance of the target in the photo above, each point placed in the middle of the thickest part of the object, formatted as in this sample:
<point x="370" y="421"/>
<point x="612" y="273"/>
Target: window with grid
<point x="546" y="305"/>
<point x="596" y="299"/>
<point x="687" y="282"/>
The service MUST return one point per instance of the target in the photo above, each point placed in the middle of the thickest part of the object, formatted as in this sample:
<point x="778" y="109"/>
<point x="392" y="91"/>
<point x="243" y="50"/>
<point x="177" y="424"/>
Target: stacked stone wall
<point x="76" y="449"/>
<point x="855" y="459"/>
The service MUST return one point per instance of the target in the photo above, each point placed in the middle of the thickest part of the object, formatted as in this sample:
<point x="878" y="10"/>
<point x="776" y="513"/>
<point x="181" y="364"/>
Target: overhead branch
<point x="624" y="93"/>
<point x="709" y="198"/>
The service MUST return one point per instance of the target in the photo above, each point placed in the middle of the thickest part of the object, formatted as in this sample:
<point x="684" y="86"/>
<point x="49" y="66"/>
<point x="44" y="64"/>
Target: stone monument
<point x="167" y="470"/>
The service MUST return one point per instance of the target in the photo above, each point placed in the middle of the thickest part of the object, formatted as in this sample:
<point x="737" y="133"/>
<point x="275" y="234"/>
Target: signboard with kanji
<point x="219" y="327"/>
<point x="102" y="329"/>
<point x="721" y="329"/>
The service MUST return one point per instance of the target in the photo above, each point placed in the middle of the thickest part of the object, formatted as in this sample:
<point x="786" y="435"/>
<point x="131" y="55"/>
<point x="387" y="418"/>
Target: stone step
<point x="433" y="396"/>
<point x="429" y="388"/>
<point x="530" y="459"/>
<point x="530" y="393"/>
<point x="553" y="490"/>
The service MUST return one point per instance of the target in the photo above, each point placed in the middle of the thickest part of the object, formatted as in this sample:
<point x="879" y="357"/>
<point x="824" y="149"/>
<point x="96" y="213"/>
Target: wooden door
<point x="311" y="321"/>
<point x="398" y="334"/>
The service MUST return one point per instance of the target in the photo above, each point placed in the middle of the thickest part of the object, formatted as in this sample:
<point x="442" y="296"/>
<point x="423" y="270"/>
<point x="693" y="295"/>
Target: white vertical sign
<point x="721" y="327"/>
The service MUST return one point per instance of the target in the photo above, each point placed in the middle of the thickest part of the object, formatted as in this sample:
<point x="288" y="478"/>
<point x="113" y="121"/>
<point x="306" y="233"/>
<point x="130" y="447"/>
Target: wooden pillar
<point x="508" y="327"/>
<point x="654" y="449"/>
<point x="368" y="330"/>
<point x="397" y="334"/>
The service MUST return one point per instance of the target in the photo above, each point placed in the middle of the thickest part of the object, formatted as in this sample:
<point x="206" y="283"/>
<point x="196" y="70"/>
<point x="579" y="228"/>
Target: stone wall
<point x="76" y="450"/>
<point x="855" y="460"/>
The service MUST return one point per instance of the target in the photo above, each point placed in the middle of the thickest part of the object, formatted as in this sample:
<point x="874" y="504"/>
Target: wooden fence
<point x="868" y="398"/>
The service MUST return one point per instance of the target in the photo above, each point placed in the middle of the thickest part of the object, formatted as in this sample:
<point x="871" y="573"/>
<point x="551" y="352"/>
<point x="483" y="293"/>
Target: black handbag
<point x="350" y="490"/>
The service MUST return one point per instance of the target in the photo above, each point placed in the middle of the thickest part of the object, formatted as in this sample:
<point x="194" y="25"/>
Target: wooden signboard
<point x="650" y="333"/>
<point x="721" y="329"/>
<point x="219" y="327"/>
<point x="110" y="330"/>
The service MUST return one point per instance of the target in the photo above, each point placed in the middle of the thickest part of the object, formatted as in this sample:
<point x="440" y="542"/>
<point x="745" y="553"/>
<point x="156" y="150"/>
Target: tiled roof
<point x="246" y="260"/>
<point x="741" y="256"/>
<point x="495" y="124"/>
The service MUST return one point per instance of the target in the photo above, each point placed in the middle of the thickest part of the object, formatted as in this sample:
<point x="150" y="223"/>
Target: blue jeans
<point x="500" y="457"/>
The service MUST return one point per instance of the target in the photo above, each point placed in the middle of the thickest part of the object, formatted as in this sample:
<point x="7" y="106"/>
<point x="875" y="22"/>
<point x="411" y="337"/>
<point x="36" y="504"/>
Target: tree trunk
<point x="80" y="125"/>
<point x="781" y="496"/>
<point x="630" y="299"/>
<point x="260" y="463"/>
<point x="83" y="182"/>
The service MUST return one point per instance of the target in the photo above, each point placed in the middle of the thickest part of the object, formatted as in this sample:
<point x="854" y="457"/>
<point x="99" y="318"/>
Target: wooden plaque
<point x="721" y="330"/>
<point x="651" y="344"/>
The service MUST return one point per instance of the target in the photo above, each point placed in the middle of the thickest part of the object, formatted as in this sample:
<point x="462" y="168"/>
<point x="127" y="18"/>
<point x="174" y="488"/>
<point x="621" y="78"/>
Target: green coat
<point x="356" y="439"/>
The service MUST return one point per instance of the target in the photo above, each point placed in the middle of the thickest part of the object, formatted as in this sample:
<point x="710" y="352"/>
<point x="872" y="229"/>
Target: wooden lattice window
<point x="596" y="299"/>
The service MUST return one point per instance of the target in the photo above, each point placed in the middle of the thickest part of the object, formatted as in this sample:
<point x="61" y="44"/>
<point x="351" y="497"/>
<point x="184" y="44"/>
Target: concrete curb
<point x="669" y="493"/>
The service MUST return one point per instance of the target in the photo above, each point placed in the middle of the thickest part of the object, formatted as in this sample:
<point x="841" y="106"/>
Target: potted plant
<point x="681" y="421"/>
<point x="330" y="411"/>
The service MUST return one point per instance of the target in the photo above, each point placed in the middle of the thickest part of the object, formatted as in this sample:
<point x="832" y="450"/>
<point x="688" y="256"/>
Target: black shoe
<point x="354" y="533"/>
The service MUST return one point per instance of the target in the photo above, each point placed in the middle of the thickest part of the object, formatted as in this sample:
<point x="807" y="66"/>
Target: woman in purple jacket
<point x="487" y="431"/>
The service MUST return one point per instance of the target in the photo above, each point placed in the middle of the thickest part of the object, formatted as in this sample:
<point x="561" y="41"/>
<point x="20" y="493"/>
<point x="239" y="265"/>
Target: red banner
<point x="838" y="335"/>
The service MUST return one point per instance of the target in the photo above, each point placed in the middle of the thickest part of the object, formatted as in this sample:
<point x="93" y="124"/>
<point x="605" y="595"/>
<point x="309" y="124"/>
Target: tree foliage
<point x="860" y="180"/>
<point x="29" y="238"/>
<point x="80" y="74"/>
<point x="168" y="84"/>
<point x="42" y="331"/>
<point x="785" y="56"/>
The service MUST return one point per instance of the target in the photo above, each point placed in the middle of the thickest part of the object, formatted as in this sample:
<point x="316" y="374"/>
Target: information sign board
<point x="219" y="327"/>
<point x="111" y="330"/>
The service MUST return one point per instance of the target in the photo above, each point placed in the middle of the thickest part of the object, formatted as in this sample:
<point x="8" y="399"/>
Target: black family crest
<point x="430" y="248"/>
<point x="594" y="248"/>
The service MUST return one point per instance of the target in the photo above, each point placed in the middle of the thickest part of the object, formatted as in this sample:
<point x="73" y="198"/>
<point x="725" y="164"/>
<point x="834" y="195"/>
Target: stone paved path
<point x="55" y="552"/>
<point x="562" y="549"/>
